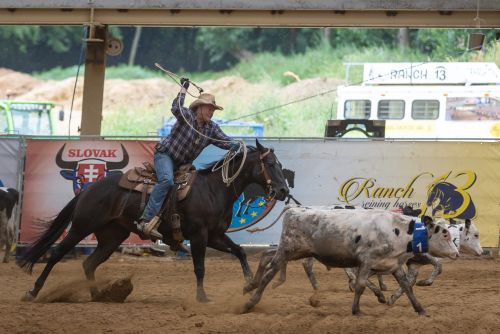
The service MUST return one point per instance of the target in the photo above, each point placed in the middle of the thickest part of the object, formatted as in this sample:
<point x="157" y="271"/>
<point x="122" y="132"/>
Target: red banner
<point x="57" y="170"/>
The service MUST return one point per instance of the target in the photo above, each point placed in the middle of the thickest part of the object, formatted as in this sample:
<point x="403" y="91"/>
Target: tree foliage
<point x="38" y="48"/>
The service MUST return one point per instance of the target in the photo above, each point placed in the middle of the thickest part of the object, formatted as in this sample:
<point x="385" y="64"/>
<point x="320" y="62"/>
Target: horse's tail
<point x="48" y="238"/>
<point x="289" y="206"/>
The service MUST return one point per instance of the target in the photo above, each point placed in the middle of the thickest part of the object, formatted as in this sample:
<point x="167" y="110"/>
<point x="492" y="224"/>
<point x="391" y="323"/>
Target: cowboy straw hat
<point x="205" y="98"/>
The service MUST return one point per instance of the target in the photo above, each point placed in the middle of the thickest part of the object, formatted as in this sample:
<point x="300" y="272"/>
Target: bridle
<point x="270" y="194"/>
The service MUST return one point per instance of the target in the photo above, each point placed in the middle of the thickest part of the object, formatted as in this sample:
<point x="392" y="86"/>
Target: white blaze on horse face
<point x="469" y="240"/>
<point x="440" y="241"/>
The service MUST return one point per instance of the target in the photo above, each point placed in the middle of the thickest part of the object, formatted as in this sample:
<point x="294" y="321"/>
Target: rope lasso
<point x="229" y="156"/>
<point x="253" y="230"/>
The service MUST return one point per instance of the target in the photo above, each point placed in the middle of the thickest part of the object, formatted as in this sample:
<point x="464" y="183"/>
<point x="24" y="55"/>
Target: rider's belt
<point x="159" y="147"/>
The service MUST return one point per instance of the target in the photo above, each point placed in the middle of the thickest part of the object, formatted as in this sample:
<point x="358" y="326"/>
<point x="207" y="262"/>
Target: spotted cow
<point x="9" y="198"/>
<point x="375" y="241"/>
<point x="465" y="237"/>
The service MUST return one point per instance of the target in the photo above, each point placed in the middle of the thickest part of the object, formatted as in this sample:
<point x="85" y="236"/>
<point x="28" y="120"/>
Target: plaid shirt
<point x="183" y="144"/>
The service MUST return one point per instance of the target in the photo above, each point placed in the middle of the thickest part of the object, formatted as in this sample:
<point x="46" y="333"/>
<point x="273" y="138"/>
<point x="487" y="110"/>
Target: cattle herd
<point x="363" y="242"/>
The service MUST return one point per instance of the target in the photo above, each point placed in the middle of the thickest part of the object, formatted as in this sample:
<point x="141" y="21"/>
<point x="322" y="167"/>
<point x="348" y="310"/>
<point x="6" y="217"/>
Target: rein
<point x="266" y="175"/>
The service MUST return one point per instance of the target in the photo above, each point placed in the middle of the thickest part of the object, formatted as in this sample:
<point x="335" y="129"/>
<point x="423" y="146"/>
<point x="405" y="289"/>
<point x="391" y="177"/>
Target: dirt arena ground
<point x="464" y="299"/>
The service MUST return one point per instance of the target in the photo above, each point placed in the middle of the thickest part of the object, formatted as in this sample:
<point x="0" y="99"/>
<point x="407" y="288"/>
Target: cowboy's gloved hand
<point x="234" y="147"/>
<point x="185" y="83"/>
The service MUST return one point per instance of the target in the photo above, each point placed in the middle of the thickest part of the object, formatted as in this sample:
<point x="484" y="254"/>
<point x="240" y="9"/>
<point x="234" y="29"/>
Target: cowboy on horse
<point x="193" y="131"/>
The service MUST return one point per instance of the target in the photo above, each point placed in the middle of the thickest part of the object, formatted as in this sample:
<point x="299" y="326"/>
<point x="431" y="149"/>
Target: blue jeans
<point x="165" y="173"/>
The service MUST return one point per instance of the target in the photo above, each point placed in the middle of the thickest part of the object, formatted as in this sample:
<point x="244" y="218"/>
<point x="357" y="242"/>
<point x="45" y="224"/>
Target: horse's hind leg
<point x="72" y="238"/>
<point x="108" y="240"/>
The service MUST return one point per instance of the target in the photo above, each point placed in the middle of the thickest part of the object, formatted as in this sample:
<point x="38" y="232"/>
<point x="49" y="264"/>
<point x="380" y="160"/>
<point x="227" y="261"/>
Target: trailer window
<point x="31" y="122"/>
<point x="357" y="109"/>
<point x="391" y="109"/>
<point x="425" y="109"/>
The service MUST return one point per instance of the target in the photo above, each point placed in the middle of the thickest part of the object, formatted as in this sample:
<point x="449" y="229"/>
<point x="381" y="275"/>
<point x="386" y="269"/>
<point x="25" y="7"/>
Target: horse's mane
<point x="207" y="168"/>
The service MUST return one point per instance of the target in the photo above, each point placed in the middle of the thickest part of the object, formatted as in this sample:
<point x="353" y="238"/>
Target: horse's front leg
<point x="239" y="252"/>
<point x="225" y="244"/>
<point x="198" y="250"/>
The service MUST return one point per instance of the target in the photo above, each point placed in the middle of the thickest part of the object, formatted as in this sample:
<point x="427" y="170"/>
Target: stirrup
<point x="148" y="229"/>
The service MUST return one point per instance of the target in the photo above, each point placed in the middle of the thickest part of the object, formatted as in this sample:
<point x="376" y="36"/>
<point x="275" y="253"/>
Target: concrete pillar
<point x="93" y="84"/>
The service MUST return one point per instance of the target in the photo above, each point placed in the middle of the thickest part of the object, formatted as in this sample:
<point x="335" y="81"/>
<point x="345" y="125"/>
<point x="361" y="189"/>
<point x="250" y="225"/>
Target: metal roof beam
<point x="422" y="5"/>
<point x="264" y="18"/>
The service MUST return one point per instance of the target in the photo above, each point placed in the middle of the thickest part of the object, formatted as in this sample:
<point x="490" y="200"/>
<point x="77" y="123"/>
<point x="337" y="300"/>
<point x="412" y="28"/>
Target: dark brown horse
<point x="109" y="211"/>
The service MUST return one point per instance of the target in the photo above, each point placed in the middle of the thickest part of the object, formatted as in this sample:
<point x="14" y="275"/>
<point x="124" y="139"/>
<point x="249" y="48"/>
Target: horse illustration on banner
<point x="448" y="200"/>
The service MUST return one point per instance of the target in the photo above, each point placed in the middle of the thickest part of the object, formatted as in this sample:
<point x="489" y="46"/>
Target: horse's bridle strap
<point x="264" y="170"/>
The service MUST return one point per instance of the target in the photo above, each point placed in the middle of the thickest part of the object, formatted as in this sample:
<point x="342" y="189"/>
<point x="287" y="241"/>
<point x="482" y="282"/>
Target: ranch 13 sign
<point x="447" y="195"/>
<point x="430" y="73"/>
<point x="445" y="179"/>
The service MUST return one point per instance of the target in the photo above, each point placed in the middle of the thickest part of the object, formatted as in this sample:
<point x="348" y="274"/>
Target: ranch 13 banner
<point x="58" y="170"/>
<point x="445" y="179"/>
<point x="10" y="156"/>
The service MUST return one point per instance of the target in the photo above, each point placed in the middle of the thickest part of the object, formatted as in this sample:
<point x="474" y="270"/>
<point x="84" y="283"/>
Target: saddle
<point x="143" y="180"/>
<point x="139" y="178"/>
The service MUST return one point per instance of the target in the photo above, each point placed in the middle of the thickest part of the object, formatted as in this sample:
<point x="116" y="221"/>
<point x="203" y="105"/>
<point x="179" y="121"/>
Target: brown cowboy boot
<point x="147" y="229"/>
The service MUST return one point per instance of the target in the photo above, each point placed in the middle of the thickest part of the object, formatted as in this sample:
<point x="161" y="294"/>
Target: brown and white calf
<point x="8" y="200"/>
<point x="375" y="241"/>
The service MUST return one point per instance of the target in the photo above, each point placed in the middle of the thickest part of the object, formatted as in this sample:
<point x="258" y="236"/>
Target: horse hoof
<point x="391" y="301"/>
<point x="28" y="297"/>
<point x="381" y="300"/>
